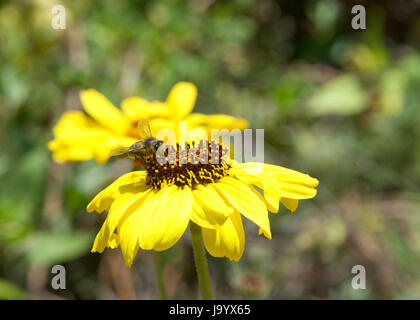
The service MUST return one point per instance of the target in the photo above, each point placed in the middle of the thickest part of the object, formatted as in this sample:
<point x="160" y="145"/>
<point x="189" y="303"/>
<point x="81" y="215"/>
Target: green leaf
<point x="54" y="248"/>
<point x="10" y="291"/>
<point x="342" y="95"/>
<point x="392" y="87"/>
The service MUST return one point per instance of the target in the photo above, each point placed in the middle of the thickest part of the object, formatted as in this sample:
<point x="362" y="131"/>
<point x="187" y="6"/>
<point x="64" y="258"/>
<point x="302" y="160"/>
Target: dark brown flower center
<point x="190" y="165"/>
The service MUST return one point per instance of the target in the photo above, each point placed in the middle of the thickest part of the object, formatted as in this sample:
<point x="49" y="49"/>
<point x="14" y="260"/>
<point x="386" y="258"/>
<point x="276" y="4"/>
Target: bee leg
<point x="137" y="162"/>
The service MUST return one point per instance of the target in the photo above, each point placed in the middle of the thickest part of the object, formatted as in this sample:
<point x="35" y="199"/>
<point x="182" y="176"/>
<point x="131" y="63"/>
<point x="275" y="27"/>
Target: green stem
<point x="200" y="262"/>
<point x="159" y="264"/>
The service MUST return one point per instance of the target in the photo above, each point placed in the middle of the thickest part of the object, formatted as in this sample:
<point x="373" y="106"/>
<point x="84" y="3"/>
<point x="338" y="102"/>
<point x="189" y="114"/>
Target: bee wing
<point x="144" y="129"/>
<point x="119" y="152"/>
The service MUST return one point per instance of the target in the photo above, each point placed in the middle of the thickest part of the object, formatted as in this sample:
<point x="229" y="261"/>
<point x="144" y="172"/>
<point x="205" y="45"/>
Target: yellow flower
<point x="151" y="209"/>
<point x="104" y="127"/>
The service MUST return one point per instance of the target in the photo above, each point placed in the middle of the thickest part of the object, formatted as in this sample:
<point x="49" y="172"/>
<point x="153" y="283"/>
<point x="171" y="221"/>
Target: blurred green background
<point x="340" y="104"/>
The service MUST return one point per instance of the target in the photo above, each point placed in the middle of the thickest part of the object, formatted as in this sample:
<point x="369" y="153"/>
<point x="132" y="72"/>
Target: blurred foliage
<point x="340" y="104"/>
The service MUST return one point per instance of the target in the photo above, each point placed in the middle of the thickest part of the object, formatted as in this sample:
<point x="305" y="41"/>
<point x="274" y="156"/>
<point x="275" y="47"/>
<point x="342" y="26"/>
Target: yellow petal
<point x="122" y="207"/>
<point x="215" y="207"/>
<point x="200" y="217"/>
<point x="103" y="111"/>
<point x="216" y="121"/>
<point x="136" y="108"/>
<point x="227" y="240"/>
<point x="130" y="183"/>
<point x="113" y="242"/>
<point x="289" y="174"/>
<point x="158" y="223"/>
<point x="181" y="99"/>
<point x="129" y="241"/>
<point x="261" y="231"/>
<point x="157" y="124"/>
<point x="79" y="138"/>
<point x="295" y="185"/>
<point x="278" y="183"/>
<point x="70" y="120"/>
<point x="73" y="149"/>
<point x="62" y="152"/>
<point x="243" y="198"/>
<point x="290" y="204"/>
<point x="265" y="182"/>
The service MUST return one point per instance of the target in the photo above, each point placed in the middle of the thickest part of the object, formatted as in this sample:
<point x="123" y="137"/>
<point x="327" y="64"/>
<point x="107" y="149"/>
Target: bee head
<point x="157" y="144"/>
<point x="144" y="147"/>
<point x="151" y="144"/>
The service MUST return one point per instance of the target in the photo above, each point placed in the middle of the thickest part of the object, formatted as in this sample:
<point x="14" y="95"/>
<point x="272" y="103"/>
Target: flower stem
<point x="200" y="262"/>
<point x="159" y="263"/>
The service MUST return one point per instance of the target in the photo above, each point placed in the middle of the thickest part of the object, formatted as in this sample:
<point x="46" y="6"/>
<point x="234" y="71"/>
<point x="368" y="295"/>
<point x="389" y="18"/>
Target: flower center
<point x="191" y="165"/>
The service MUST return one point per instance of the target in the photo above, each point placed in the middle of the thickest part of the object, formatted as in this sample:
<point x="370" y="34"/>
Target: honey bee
<point x="143" y="150"/>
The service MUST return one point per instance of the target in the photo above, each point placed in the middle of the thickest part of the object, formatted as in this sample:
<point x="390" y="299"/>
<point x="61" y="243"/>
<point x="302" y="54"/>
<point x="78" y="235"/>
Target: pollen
<point x="189" y="164"/>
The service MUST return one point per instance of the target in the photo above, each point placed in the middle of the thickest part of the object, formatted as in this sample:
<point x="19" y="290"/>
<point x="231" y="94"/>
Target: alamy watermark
<point x="245" y="147"/>
<point x="58" y="20"/>
<point x="59" y="280"/>
<point x="359" y="280"/>
<point x="359" y="20"/>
